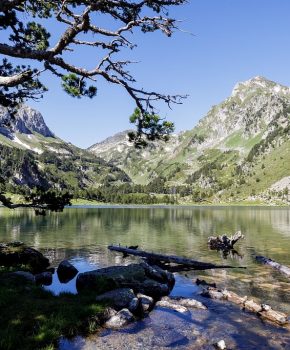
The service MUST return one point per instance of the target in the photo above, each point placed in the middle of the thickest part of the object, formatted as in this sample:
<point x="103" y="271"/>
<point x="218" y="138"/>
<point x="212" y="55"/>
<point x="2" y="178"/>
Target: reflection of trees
<point x="85" y="233"/>
<point x="181" y="231"/>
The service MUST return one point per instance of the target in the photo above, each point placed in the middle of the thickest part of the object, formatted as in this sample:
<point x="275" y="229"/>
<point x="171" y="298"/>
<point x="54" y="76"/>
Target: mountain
<point x="238" y="151"/>
<point x="31" y="155"/>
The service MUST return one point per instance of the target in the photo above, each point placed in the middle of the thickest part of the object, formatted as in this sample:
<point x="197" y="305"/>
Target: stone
<point x="66" y="271"/>
<point x="134" y="306"/>
<point x="147" y="303"/>
<point x="131" y="276"/>
<point x="152" y="288"/>
<point x="107" y="314"/>
<point x="158" y="274"/>
<point x="26" y="275"/>
<point x="121" y="319"/>
<point x="44" y="278"/>
<point x="118" y="298"/>
<point x="221" y="345"/>
<point x="171" y="305"/>
<point x="187" y="302"/>
<point x="17" y="253"/>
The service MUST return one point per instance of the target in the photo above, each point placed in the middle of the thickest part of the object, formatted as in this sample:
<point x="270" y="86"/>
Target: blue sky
<point x="233" y="40"/>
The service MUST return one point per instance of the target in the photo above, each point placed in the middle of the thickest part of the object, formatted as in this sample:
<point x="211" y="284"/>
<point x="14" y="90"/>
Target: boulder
<point x="17" y="253"/>
<point x="158" y="274"/>
<point x="66" y="271"/>
<point x="132" y="276"/>
<point x="121" y="319"/>
<point x="26" y="275"/>
<point x="118" y="298"/>
<point x="44" y="278"/>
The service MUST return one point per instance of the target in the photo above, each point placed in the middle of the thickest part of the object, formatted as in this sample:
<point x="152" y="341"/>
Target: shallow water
<point x="83" y="234"/>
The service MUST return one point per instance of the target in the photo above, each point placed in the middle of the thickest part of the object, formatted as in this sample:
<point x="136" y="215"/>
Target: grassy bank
<point x="32" y="318"/>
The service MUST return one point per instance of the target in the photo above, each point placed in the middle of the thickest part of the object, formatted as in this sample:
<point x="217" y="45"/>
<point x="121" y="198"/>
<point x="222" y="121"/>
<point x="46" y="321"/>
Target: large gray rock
<point x="26" y="120"/>
<point x="118" y="298"/>
<point x="66" y="271"/>
<point x="132" y="276"/>
<point x="121" y="319"/>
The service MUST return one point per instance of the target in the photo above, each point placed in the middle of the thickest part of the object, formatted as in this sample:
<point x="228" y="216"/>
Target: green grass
<point x="237" y="140"/>
<point x="32" y="318"/>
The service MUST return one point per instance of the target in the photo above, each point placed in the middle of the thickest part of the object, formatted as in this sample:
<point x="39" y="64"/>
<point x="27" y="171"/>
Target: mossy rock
<point x="18" y="254"/>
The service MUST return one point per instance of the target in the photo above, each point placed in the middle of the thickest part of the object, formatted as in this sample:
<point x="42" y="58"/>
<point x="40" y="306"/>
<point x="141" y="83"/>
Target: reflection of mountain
<point x="86" y="233"/>
<point x="182" y="231"/>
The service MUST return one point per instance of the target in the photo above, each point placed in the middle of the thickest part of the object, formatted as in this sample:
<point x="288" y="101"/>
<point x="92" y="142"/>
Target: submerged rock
<point x="66" y="271"/>
<point x="169" y="304"/>
<point x="121" y="319"/>
<point x="17" y="253"/>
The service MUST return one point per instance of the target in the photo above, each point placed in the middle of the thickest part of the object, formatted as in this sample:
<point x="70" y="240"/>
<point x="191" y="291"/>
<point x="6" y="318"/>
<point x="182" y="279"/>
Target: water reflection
<point x="83" y="234"/>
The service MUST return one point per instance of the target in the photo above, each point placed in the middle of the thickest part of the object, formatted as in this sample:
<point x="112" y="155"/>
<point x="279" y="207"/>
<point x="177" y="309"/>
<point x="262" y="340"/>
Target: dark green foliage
<point x="36" y="319"/>
<point x="150" y="127"/>
<point x="76" y="86"/>
<point x="25" y="25"/>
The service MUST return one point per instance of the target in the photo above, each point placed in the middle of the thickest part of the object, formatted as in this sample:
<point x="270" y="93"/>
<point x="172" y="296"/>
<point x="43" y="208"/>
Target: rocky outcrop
<point x="134" y="276"/>
<point x="17" y="253"/>
<point x="26" y="121"/>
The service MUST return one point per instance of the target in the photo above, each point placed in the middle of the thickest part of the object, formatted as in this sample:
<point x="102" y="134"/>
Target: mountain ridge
<point x="256" y="114"/>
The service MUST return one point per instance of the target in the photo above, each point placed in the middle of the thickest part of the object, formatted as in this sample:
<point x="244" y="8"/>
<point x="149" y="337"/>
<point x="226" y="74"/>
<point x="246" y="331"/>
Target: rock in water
<point x="131" y="276"/>
<point x="147" y="302"/>
<point x="66" y="271"/>
<point x="121" y="319"/>
<point x="44" y="278"/>
<point x="118" y="298"/>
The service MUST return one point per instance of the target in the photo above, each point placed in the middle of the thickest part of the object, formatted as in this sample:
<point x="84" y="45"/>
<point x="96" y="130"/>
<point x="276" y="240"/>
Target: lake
<point x="82" y="234"/>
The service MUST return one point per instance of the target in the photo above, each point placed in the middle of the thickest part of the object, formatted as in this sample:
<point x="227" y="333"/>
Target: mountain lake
<point x="82" y="234"/>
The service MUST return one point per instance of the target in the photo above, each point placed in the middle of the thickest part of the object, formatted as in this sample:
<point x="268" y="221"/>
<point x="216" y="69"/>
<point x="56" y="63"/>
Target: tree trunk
<point x="262" y="310"/>
<point x="282" y="268"/>
<point x="196" y="265"/>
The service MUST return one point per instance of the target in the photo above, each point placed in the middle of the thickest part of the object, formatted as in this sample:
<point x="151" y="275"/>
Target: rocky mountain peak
<point x="258" y="84"/>
<point x="27" y="120"/>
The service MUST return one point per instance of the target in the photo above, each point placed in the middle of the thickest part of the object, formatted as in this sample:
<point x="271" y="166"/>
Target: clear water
<point x="83" y="234"/>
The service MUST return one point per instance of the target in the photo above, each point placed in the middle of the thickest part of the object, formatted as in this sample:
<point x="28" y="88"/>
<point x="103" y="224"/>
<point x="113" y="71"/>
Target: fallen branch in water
<point x="196" y="265"/>
<point x="224" y="242"/>
<point x="281" y="268"/>
<point x="262" y="310"/>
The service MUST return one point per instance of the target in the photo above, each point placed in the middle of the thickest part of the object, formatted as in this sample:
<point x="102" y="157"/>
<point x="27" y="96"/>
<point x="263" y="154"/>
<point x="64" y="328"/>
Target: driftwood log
<point x="195" y="265"/>
<point x="262" y="310"/>
<point x="281" y="268"/>
<point x="224" y="242"/>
